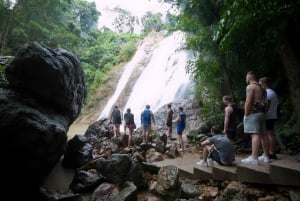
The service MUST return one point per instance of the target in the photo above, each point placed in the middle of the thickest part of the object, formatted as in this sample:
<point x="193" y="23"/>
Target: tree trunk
<point x="6" y="31"/>
<point x="227" y="87"/>
<point x="292" y="69"/>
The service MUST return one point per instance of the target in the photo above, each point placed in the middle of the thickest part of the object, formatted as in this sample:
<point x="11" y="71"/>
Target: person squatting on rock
<point x="180" y="120"/>
<point x="272" y="116"/>
<point x="129" y="123"/>
<point x="230" y="119"/>
<point x="168" y="120"/>
<point x="116" y="120"/>
<point x="147" y="117"/>
<point x="217" y="148"/>
<point x="255" y="119"/>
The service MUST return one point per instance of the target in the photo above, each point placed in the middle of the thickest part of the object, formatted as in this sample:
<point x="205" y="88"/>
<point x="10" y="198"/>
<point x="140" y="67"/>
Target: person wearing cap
<point x="147" y="118"/>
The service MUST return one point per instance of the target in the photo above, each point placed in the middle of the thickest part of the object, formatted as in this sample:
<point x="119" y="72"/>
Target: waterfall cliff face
<point x="162" y="78"/>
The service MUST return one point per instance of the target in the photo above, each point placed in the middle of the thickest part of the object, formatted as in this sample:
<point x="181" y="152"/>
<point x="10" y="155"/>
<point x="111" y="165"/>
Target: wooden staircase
<point x="284" y="171"/>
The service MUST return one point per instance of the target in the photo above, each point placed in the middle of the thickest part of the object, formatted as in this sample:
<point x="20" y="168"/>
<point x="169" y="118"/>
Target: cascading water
<point x="163" y="80"/>
<point x="128" y="69"/>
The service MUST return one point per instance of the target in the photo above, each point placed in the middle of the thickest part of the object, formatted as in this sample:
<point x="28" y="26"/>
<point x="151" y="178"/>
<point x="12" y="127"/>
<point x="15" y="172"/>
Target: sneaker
<point x="210" y="162"/>
<point x="264" y="158"/>
<point x="202" y="163"/>
<point x="250" y="161"/>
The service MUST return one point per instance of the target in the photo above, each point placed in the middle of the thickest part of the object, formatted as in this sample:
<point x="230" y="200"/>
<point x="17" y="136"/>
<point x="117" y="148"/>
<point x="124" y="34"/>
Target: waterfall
<point x="128" y="69"/>
<point x="163" y="80"/>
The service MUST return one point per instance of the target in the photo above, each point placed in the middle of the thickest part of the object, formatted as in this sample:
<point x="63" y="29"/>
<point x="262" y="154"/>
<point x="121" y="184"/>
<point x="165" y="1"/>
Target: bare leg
<point x="147" y="136"/>
<point x="265" y="144"/>
<point x="272" y="141"/>
<point x="115" y="130"/>
<point x="144" y="137"/>
<point x="255" y="138"/>
<point x="170" y="131"/>
<point x="205" y="152"/>
<point x="118" y="129"/>
<point x="129" y="139"/>
<point x="180" y="141"/>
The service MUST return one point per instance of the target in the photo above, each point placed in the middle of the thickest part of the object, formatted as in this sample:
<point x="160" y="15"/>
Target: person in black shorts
<point x="169" y="117"/>
<point x="116" y="120"/>
<point x="230" y="119"/>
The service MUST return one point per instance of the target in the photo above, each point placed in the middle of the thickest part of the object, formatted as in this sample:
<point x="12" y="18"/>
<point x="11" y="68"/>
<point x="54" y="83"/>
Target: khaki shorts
<point x="255" y="123"/>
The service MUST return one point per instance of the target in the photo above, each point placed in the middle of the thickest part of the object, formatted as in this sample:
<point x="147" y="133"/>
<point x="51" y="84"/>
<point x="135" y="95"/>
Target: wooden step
<point x="220" y="172"/>
<point x="226" y="172"/>
<point x="202" y="173"/>
<point x="254" y="173"/>
<point x="185" y="163"/>
<point x="285" y="171"/>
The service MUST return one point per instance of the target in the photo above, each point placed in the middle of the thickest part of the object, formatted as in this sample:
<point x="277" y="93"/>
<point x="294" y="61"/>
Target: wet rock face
<point x="45" y="94"/>
<point x="54" y="78"/>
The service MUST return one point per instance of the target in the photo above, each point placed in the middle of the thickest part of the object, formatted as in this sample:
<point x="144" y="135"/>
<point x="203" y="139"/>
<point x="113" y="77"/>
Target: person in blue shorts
<point x="180" y="120"/>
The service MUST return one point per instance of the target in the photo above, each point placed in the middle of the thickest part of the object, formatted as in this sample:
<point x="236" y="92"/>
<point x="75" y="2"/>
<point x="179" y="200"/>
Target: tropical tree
<point x="125" y="22"/>
<point x="235" y="36"/>
<point x="152" y="22"/>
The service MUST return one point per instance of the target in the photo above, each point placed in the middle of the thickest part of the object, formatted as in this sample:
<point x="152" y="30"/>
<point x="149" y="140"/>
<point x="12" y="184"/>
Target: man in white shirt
<point x="271" y="114"/>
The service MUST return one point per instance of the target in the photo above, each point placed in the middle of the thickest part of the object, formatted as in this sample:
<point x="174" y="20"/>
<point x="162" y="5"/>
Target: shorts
<point x="146" y="128"/>
<point x="180" y="131"/>
<point x="270" y="124"/>
<point x="130" y="127"/>
<point x="255" y="123"/>
<point x="214" y="155"/>
<point x="169" y="123"/>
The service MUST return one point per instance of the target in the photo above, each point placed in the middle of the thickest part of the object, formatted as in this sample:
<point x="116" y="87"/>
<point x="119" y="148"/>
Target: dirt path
<point x="77" y="128"/>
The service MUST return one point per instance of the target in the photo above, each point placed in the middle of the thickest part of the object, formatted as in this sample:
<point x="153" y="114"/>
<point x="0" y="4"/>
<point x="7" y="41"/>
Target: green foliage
<point x="171" y="22"/>
<point x="231" y="38"/>
<point x="3" y="63"/>
<point x="152" y="22"/>
<point x="291" y="138"/>
<point x="71" y="25"/>
<point x="125" y="21"/>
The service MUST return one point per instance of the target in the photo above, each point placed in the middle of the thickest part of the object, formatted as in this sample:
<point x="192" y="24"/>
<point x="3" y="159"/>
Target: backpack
<point x="146" y="117"/>
<point x="116" y="115"/>
<point x="128" y="117"/>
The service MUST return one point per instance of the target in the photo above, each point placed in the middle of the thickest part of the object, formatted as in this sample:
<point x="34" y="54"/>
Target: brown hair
<point x="265" y="80"/>
<point x="227" y="98"/>
<point x="252" y="74"/>
<point x="215" y="129"/>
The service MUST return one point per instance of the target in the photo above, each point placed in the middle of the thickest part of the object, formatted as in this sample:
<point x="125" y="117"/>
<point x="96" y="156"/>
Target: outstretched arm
<point x="153" y="119"/>
<point x="226" y="119"/>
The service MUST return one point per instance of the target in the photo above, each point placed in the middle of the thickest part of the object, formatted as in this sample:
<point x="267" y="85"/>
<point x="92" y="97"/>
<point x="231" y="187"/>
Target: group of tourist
<point x="260" y="115"/>
<point x="147" y="119"/>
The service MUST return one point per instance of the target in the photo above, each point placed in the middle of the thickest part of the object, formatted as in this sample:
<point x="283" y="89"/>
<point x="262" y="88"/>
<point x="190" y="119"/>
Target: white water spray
<point x="163" y="80"/>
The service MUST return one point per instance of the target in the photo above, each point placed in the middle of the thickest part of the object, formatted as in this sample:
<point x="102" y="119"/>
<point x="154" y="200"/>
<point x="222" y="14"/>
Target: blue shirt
<point x="146" y="117"/>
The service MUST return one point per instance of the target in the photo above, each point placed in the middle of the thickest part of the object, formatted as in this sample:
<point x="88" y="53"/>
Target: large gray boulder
<point x="45" y="94"/>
